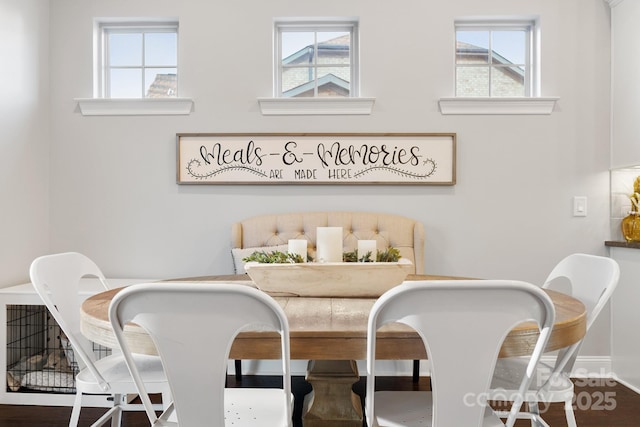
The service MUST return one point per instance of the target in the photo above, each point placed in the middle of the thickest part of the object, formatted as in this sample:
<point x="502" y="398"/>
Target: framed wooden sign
<point x="317" y="158"/>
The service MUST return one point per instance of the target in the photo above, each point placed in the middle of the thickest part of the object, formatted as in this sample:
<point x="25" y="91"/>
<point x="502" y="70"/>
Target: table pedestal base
<point x="332" y="403"/>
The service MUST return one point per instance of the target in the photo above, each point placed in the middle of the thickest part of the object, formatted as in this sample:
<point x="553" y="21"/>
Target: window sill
<point x="613" y="3"/>
<point x="315" y="106"/>
<point x="496" y="106"/>
<point x="134" y="107"/>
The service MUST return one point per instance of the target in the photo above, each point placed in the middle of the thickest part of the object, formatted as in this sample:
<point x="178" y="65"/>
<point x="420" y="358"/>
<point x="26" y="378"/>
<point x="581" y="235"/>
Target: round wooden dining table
<point x="332" y="334"/>
<point x="335" y="328"/>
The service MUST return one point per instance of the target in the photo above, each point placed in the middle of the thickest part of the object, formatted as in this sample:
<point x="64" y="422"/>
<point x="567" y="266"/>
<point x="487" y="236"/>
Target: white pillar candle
<point x="329" y="244"/>
<point x="298" y="247"/>
<point x="366" y="246"/>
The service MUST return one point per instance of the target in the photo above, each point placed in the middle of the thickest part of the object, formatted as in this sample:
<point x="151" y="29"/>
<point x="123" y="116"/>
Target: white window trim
<point x="100" y="45"/>
<point x="530" y="25"/>
<point x="315" y="106"/>
<point x="134" y="106"/>
<point x="613" y="3"/>
<point x="100" y="106"/>
<point x="533" y="104"/>
<point x="352" y="105"/>
<point x="348" y="24"/>
<point x="498" y="106"/>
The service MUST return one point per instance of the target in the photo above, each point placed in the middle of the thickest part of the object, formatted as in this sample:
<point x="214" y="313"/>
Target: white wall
<point x="24" y="136"/>
<point x="113" y="191"/>
<point x="626" y="103"/>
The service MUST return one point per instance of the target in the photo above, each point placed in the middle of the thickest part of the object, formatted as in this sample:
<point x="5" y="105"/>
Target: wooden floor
<point x="594" y="398"/>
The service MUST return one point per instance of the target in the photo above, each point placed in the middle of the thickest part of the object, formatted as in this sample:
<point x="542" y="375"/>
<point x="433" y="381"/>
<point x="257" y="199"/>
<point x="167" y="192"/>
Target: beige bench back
<point x="405" y="234"/>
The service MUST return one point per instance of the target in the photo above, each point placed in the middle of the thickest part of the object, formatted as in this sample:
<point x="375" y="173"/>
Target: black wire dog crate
<point x="39" y="355"/>
<point x="36" y="359"/>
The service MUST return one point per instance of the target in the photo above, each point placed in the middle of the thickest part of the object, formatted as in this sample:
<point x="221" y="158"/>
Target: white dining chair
<point x="193" y="326"/>
<point x="590" y="279"/>
<point x="463" y="324"/>
<point x="56" y="279"/>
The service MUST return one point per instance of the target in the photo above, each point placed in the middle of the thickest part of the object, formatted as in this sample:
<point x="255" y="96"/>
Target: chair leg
<point x="116" y="417"/>
<point x="114" y="414"/>
<point x="238" y="370"/>
<point x="535" y="410"/>
<point x="75" y="412"/>
<point x="166" y="399"/>
<point x="568" y="410"/>
<point x="416" y="371"/>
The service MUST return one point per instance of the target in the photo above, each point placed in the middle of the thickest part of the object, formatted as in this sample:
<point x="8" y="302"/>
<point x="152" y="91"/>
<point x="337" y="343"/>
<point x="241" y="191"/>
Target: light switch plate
<point x="579" y="206"/>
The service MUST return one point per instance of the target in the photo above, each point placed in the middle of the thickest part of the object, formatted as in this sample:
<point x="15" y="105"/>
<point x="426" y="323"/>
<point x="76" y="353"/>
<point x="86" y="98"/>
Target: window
<point x="495" y="59"/>
<point x="316" y="59"/>
<point x="138" y="60"/>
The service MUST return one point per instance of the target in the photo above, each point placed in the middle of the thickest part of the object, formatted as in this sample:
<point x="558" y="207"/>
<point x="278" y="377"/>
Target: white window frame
<point x="532" y="104"/>
<point x="532" y="64"/>
<point x="101" y="76"/>
<point x="350" y="25"/>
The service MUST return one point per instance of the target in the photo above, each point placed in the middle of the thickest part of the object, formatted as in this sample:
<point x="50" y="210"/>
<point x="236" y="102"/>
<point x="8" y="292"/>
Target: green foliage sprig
<point x="277" y="257"/>
<point x="356" y="257"/>
<point x="389" y="255"/>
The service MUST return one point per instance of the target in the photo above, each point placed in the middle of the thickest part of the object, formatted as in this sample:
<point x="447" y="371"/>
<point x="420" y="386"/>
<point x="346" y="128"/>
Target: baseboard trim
<point x="626" y="384"/>
<point x="590" y="367"/>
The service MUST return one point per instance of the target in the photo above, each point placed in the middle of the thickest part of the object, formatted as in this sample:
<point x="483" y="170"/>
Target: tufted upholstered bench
<point x="273" y="232"/>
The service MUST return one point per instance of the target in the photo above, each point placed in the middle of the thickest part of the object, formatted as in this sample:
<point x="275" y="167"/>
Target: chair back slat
<point x="193" y="326"/>
<point x="56" y="279"/>
<point x="463" y="324"/>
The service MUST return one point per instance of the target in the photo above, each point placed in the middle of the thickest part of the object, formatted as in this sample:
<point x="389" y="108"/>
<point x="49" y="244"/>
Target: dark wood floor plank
<point x="595" y="399"/>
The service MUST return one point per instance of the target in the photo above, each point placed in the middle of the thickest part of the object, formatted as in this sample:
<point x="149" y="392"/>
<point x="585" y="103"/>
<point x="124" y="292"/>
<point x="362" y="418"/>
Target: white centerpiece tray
<point x="332" y="279"/>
